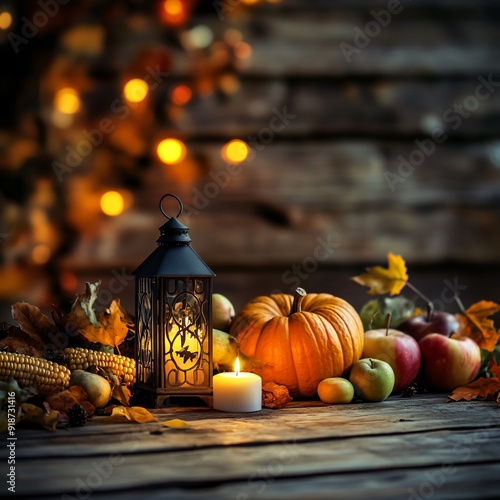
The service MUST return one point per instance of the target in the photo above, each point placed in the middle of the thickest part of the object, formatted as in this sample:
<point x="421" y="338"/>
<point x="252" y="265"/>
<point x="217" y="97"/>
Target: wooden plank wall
<point x="393" y="148"/>
<point x="336" y="143"/>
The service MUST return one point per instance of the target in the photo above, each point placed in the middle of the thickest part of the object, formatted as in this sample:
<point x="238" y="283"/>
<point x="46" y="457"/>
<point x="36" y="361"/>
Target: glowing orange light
<point x="112" y="203"/>
<point x="172" y="7"/>
<point x="41" y="254"/>
<point x="232" y="36"/>
<point x="181" y="95"/>
<point x="229" y="83"/>
<point x="235" y="151"/>
<point x="67" y="101"/>
<point x="174" y="12"/>
<point x="237" y="367"/>
<point x="5" y="20"/>
<point x="242" y="50"/>
<point x="250" y="2"/>
<point x="68" y="281"/>
<point x="171" y="151"/>
<point x="135" y="90"/>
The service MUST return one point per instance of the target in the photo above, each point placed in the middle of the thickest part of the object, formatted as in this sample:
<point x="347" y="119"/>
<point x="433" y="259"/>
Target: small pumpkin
<point x="301" y="339"/>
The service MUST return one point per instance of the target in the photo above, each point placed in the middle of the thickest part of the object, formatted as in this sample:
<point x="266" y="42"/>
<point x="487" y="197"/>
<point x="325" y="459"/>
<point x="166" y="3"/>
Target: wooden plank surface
<point x="304" y="421"/>
<point x="395" y="445"/>
<point x="460" y="483"/>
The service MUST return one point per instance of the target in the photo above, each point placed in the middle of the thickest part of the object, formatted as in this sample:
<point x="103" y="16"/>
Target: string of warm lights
<point x="169" y="150"/>
<point x="81" y="129"/>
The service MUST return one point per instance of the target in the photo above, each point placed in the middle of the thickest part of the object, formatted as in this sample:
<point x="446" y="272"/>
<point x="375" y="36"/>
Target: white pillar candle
<point x="237" y="391"/>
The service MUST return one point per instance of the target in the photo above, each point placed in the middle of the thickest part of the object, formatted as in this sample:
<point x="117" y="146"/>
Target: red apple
<point x="398" y="349"/>
<point x="449" y="362"/>
<point x="434" y="322"/>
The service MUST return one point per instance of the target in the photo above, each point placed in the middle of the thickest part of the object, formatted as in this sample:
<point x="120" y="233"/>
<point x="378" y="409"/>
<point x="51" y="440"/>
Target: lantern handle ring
<point x="181" y="206"/>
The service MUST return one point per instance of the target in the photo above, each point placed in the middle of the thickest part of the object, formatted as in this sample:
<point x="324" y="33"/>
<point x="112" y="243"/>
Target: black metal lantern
<point x="173" y="317"/>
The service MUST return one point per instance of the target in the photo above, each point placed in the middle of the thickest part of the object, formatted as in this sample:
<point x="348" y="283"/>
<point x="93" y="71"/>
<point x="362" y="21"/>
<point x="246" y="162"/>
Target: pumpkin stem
<point x="300" y="293"/>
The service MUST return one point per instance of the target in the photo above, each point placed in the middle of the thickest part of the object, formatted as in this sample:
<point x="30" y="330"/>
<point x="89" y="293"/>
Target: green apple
<point x="222" y="312"/>
<point x="373" y="379"/>
<point x="335" y="390"/>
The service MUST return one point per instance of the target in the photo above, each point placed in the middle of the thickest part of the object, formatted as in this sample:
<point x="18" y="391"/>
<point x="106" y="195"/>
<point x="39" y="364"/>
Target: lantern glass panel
<point x="187" y="363"/>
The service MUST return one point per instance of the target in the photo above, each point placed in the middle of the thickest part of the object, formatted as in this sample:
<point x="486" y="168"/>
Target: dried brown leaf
<point x="275" y="395"/>
<point x="482" y="388"/>
<point x="494" y="368"/>
<point x="10" y="344"/>
<point x="34" y="323"/>
<point x="476" y="324"/>
<point x="64" y="400"/>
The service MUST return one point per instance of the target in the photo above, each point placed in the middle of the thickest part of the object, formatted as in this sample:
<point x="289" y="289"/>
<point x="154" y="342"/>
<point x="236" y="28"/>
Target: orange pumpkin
<point x="301" y="340"/>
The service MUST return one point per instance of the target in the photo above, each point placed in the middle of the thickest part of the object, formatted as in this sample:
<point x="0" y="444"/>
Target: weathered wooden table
<point x="416" y="448"/>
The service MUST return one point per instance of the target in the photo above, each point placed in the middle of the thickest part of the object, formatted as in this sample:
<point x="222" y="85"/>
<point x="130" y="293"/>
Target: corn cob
<point x="78" y="358"/>
<point x="45" y="376"/>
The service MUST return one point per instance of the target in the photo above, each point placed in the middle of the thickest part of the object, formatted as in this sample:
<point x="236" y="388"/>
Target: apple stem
<point x="371" y="363"/>
<point x="460" y="303"/>
<point x="300" y="293"/>
<point x="430" y="305"/>
<point x="388" y="322"/>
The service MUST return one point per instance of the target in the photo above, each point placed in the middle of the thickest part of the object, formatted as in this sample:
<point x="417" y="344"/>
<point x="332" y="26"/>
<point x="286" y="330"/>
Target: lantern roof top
<point x="174" y="255"/>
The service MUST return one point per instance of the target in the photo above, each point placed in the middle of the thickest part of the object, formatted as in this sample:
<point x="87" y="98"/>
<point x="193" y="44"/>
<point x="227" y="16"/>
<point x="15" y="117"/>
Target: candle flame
<point x="237" y="366"/>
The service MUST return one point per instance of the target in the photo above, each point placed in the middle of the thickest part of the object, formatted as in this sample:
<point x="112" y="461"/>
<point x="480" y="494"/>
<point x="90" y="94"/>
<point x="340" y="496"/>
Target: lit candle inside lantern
<point x="237" y="391"/>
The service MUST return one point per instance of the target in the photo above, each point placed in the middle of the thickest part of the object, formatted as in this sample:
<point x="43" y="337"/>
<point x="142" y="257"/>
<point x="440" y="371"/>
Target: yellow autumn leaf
<point x="381" y="280"/>
<point x="114" y="328"/>
<point x="108" y="329"/>
<point x="35" y="415"/>
<point x="122" y="394"/>
<point x="175" y="423"/>
<point x="134" y="414"/>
